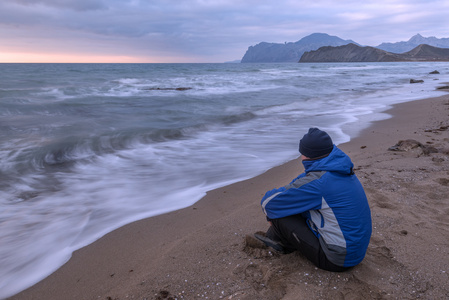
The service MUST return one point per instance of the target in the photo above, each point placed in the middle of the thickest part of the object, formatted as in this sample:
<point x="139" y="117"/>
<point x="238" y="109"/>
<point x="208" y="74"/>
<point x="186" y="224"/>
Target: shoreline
<point x="199" y="251"/>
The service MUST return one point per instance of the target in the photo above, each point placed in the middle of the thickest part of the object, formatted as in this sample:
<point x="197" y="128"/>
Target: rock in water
<point x="416" y="81"/>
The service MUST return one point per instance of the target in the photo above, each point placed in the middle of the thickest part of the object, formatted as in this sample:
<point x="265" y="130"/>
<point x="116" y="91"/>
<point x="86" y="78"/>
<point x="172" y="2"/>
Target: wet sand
<point x="201" y="252"/>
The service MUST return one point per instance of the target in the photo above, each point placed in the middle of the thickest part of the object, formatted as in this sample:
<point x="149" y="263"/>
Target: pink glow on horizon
<point x="8" y="57"/>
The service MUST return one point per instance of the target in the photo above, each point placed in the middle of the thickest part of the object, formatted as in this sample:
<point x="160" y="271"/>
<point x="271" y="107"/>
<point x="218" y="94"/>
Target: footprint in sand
<point x="380" y="200"/>
<point x="443" y="181"/>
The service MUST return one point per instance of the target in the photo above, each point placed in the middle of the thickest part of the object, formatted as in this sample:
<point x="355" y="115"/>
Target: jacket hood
<point x="336" y="161"/>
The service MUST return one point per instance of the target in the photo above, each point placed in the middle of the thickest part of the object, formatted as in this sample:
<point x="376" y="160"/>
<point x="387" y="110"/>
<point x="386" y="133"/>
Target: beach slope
<point x="203" y="252"/>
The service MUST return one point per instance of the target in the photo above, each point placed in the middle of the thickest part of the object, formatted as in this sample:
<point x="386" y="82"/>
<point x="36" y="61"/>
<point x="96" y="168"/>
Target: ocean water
<point x="87" y="148"/>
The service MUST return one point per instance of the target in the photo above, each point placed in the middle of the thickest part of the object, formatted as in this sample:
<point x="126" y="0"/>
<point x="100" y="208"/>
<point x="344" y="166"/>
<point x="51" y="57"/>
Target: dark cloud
<point x="208" y="29"/>
<point x="78" y="5"/>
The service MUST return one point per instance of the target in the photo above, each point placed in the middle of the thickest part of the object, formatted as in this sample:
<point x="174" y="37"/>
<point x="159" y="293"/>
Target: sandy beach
<point x="202" y="252"/>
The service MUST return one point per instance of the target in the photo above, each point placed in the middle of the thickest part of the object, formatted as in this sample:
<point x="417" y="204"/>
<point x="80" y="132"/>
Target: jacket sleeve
<point x="301" y="195"/>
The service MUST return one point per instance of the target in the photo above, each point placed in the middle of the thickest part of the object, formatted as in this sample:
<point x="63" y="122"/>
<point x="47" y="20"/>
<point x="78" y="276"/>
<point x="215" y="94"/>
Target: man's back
<point x="333" y="201"/>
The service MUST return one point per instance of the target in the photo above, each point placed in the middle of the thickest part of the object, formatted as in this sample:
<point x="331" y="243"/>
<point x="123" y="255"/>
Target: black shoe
<point x="270" y="243"/>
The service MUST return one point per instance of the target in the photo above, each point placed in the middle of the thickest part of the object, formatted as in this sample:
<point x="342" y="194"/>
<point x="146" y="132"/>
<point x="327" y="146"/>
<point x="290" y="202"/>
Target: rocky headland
<point x="355" y="53"/>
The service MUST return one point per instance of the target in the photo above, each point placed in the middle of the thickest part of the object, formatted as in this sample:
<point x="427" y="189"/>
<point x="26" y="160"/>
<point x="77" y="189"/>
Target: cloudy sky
<point x="199" y="30"/>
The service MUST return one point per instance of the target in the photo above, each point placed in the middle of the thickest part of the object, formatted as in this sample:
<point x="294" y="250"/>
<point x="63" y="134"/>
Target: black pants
<point x="294" y="234"/>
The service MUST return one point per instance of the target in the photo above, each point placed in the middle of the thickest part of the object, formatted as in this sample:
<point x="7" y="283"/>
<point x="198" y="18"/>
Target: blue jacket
<point x="333" y="201"/>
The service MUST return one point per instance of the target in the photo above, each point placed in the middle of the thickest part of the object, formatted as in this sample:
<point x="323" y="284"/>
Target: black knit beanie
<point x="315" y="143"/>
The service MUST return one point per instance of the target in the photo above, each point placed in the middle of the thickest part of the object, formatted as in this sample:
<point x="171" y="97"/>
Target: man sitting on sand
<point x="323" y="212"/>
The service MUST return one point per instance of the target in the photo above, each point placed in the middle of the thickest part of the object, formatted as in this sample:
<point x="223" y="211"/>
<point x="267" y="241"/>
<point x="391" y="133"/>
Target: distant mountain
<point x="355" y="53"/>
<point x="401" y="47"/>
<point x="348" y="53"/>
<point x="290" y="52"/>
<point x="427" y="53"/>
